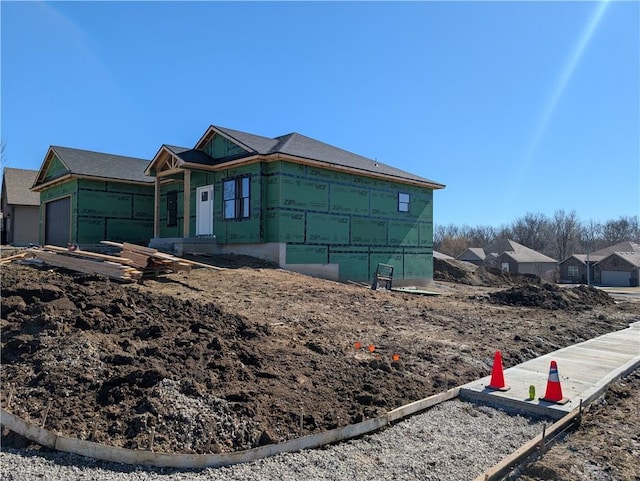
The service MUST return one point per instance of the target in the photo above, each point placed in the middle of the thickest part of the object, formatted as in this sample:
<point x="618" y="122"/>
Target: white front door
<point x="204" y="210"/>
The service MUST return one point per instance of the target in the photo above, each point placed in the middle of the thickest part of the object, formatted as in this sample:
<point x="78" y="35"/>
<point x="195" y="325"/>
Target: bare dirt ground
<point x="606" y="446"/>
<point x="216" y="361"/>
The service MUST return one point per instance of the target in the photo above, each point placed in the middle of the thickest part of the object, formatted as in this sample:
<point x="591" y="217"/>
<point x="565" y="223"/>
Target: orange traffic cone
<point x="554" y="389"/>
<point x="497" y="375"/>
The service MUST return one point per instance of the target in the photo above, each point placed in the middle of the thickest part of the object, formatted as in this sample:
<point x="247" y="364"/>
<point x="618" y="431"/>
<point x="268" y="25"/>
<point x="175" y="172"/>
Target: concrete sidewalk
<point x="585" y="371"/>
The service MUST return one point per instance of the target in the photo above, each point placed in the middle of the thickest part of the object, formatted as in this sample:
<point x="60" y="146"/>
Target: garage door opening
<point x="57" y="222"/>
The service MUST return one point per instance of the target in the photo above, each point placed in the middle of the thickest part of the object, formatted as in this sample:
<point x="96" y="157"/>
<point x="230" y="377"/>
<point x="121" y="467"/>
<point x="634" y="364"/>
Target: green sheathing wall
<point x="104" y="211"/>
<point x="333" y="217"/>
<point x="221" y="148"/>
<point x="55" y="169"/>
<point x="233" y="231"/>
<point x="113" y="211"/>
<point x="66" y="189"/>
<point x="241" y="231"/>
<point x="176" y="230"/>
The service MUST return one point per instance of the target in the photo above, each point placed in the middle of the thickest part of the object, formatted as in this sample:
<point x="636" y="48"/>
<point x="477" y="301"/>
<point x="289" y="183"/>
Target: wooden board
<point x="109" y="269"/>
<point x="93" y="255"/>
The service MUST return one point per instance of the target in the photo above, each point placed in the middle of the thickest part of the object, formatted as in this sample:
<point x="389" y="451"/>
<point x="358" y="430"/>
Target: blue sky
<point x="516" y="106"/>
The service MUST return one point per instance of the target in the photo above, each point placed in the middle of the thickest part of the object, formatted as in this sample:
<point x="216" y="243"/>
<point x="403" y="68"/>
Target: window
<point x="172" y="208"/>
<point x="403" y="202"/>
<point x="236" y="198"/>
<point x="573" y="271"/>
<point x="505" y="267"/>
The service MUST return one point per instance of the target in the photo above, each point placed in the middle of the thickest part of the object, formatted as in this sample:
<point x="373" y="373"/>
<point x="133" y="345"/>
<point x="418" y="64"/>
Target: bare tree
<point x="566" y="229"/>
<point x="558" y="237"/>
<point x="533" y="231"/>
<point x="453" y="240"/>
<point x="623" y="229"/>
<point x="591" y="235"/>
<point x="481" y="235"/>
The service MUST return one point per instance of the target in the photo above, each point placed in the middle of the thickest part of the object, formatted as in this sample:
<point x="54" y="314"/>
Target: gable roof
<point x="502" y="245"/>
<point x="632" y="258"/>
<point x="516" y="251"/>
<point x="187" y="155"/>
<point x="305" y="148"/>
<point x="626" y="246"/>
<point x="100" y="165"/>
<point x="529" y="256"/>
<point x="472" y="254"/>
<point x="16" y="183"/>
<point x="597" y="256"/>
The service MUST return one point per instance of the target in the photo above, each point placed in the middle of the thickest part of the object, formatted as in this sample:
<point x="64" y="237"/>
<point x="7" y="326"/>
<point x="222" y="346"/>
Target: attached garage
<point x="57" y="222"/>
<point x="87" y="197"/>
<point x="620" y="269"/>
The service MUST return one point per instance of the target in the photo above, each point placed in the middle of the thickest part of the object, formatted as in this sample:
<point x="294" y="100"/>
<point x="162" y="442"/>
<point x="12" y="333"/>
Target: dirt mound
<point x="216" y="361"/>
<point x="451" y="270"/>
<point x="116" y="363"/>
<point x="550" y="296"/>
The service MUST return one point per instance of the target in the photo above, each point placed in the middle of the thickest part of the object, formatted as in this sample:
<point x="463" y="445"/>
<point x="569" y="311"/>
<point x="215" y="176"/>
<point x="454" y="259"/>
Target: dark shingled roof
<point x="190" y="155"/>
<point x="304" y="147"/>
<point x="97" y="164"/>
<point x="17" y="183"/>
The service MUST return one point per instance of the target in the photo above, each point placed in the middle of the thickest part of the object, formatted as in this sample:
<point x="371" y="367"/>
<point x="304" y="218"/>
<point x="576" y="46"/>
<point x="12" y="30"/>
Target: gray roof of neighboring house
<point x="440" y="255"/>
<point x="529" y="256"/>
<point x="598" y="255"/>
<point x="502" y="245"/>
<point x="472" y="254"/>
<point x="626" y="246"/>
<point x="593" y="258"/>
<point x="97" y="164"/>
<point x="298" y="145"/>
<point x="17" y="183"/>
<point x="517" y="252"/>
<point x="632" y="258"/>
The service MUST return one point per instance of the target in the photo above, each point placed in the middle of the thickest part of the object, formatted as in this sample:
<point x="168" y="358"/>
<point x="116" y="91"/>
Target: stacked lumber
<point x="87" y="262"/>
<point x="129" y="265"/>
<point x="150" y="260"/>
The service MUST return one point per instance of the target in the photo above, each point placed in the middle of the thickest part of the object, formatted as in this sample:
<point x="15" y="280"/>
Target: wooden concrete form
<point x="585" y="370"/>
<point x="130" y="456"/>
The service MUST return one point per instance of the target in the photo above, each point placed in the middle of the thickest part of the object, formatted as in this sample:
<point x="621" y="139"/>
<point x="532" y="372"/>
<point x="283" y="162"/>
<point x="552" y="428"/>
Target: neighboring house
<point x="309" y="206"/>
<point x="20" y="207"/>
<point x="510" y="256"/>
<point x="618" y="269"/>
<point x="440" y="255"/>
<point x="87" y="197"/>
<point x="616" y="265"/>
<point x="516" y="258"/>
<point x="474" y="255"/>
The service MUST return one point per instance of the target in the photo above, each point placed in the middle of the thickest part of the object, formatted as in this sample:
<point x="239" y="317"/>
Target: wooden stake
<point x="301" y="419"/>
<point x="208" y="447"/>
<point x="151" y="436"/>
<point x="543" y="445"/>
<point x="9" y="396"/>
<point x="46" y="413"/>
<point x="95" y="429"/>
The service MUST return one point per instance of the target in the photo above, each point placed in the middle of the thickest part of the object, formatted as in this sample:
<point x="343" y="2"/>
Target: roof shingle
<point x="98" y="164"/>
<point x="298" y="145"/>
<point x="17" y="183"/>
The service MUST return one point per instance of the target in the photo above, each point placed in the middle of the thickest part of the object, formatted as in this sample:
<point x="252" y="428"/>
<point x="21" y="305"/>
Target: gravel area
<point x="454" y="440"/>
